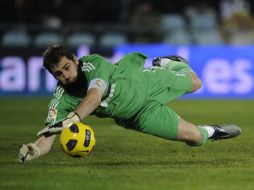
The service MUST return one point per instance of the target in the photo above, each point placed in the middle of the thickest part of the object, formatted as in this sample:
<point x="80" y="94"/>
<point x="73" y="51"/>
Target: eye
<point x="57" y="74"/>
<point x="67" y="67"/>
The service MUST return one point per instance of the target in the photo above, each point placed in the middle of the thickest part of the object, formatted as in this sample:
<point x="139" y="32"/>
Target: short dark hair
<point x="53" y="54"/>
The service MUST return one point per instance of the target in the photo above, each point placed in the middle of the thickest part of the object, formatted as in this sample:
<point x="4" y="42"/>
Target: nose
<point x="66" y="75"/>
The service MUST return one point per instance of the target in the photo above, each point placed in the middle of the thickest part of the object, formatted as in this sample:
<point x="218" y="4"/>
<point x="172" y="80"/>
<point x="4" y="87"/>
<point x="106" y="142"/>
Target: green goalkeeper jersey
<point x="129" y="87"/>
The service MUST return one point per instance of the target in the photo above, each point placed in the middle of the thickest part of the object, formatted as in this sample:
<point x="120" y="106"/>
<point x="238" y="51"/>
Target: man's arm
<point x="40" y="147"/>
<point x="90" y="102"/>
<point x="93" y="98"/>
<point x="45" y="144"/>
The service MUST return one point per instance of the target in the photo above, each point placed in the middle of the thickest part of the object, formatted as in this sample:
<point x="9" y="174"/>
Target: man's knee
<point x="196" y="82"/>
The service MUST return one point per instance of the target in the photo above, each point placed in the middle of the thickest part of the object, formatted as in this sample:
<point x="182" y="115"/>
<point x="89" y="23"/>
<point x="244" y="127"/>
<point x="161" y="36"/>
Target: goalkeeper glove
<point x="57" y="128"/>
<point x="28" y="152"/>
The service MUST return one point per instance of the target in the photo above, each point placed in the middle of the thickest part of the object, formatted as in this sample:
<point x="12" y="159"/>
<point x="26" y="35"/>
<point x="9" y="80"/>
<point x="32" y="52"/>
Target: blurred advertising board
<point x="226" y="71"/>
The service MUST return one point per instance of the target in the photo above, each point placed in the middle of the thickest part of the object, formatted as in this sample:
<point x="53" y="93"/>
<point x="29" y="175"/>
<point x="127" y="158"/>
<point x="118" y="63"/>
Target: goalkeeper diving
<point x="134" y="96"/>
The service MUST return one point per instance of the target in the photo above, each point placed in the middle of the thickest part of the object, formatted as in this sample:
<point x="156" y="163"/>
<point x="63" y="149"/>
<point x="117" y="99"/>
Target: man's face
<point x="66" y="71"/>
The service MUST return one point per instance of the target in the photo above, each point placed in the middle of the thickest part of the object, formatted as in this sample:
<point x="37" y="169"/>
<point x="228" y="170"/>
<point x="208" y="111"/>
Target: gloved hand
<point x="28" y="152"/>
<point x="73" y="117"/>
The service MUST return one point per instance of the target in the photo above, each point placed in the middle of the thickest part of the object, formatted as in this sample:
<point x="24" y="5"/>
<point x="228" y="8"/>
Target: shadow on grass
<point x="168" y="163"/>
<point x="128" y="163"/>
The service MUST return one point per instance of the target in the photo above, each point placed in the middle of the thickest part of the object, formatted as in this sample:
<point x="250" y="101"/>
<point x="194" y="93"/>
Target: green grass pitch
<point x="125" y="159"/>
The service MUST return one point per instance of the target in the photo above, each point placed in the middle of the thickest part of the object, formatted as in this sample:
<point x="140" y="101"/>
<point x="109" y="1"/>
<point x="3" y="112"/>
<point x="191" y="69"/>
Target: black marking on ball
<point x="88" y="138"/>
<point x="71" y="144"/>
<point x="74" y="128"/>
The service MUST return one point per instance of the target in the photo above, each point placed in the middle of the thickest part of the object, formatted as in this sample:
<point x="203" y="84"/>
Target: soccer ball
<point x="77" y="140"/>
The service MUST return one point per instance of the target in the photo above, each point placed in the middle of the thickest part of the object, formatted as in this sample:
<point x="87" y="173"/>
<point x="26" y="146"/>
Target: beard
<point x="79" y="86"/>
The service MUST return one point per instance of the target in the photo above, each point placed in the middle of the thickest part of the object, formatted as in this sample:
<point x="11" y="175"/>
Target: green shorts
<point x="155" y="117"/>
<point x="159" y="120"/>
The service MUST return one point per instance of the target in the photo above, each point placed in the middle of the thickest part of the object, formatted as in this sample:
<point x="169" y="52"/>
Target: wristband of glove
<point x="71" y="118"/>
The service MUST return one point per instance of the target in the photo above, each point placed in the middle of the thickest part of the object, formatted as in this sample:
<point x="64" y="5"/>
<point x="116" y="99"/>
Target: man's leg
<point x="187" y="132"/>
<point x="198" y="135"/>
<point x="191" y="134"/>
<point x="179" y="66"/>
<point x="159" y="120"/>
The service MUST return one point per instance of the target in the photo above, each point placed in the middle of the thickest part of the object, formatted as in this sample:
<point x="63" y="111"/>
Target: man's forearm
<point x="45" y="144"/>
<point x="32" y="151"/>
<point x="89" y="103"/>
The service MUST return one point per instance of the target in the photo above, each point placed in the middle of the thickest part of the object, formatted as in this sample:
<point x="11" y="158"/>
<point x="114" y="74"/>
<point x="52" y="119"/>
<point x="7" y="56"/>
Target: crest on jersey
<point x="52" y="115"/>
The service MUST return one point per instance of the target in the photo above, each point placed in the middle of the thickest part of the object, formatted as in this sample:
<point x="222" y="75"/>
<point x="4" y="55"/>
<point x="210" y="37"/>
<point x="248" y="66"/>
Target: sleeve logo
<point x="87" y="67"/>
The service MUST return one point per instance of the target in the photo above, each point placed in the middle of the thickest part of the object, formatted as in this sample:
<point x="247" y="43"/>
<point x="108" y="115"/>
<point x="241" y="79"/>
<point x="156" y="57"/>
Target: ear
<point x="76" y="60"/>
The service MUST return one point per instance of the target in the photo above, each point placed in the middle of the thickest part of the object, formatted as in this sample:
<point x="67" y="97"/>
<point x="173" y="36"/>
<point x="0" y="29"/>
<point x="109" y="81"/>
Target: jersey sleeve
<point x="56" y="110"/>
<point x="97" y="68"/>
